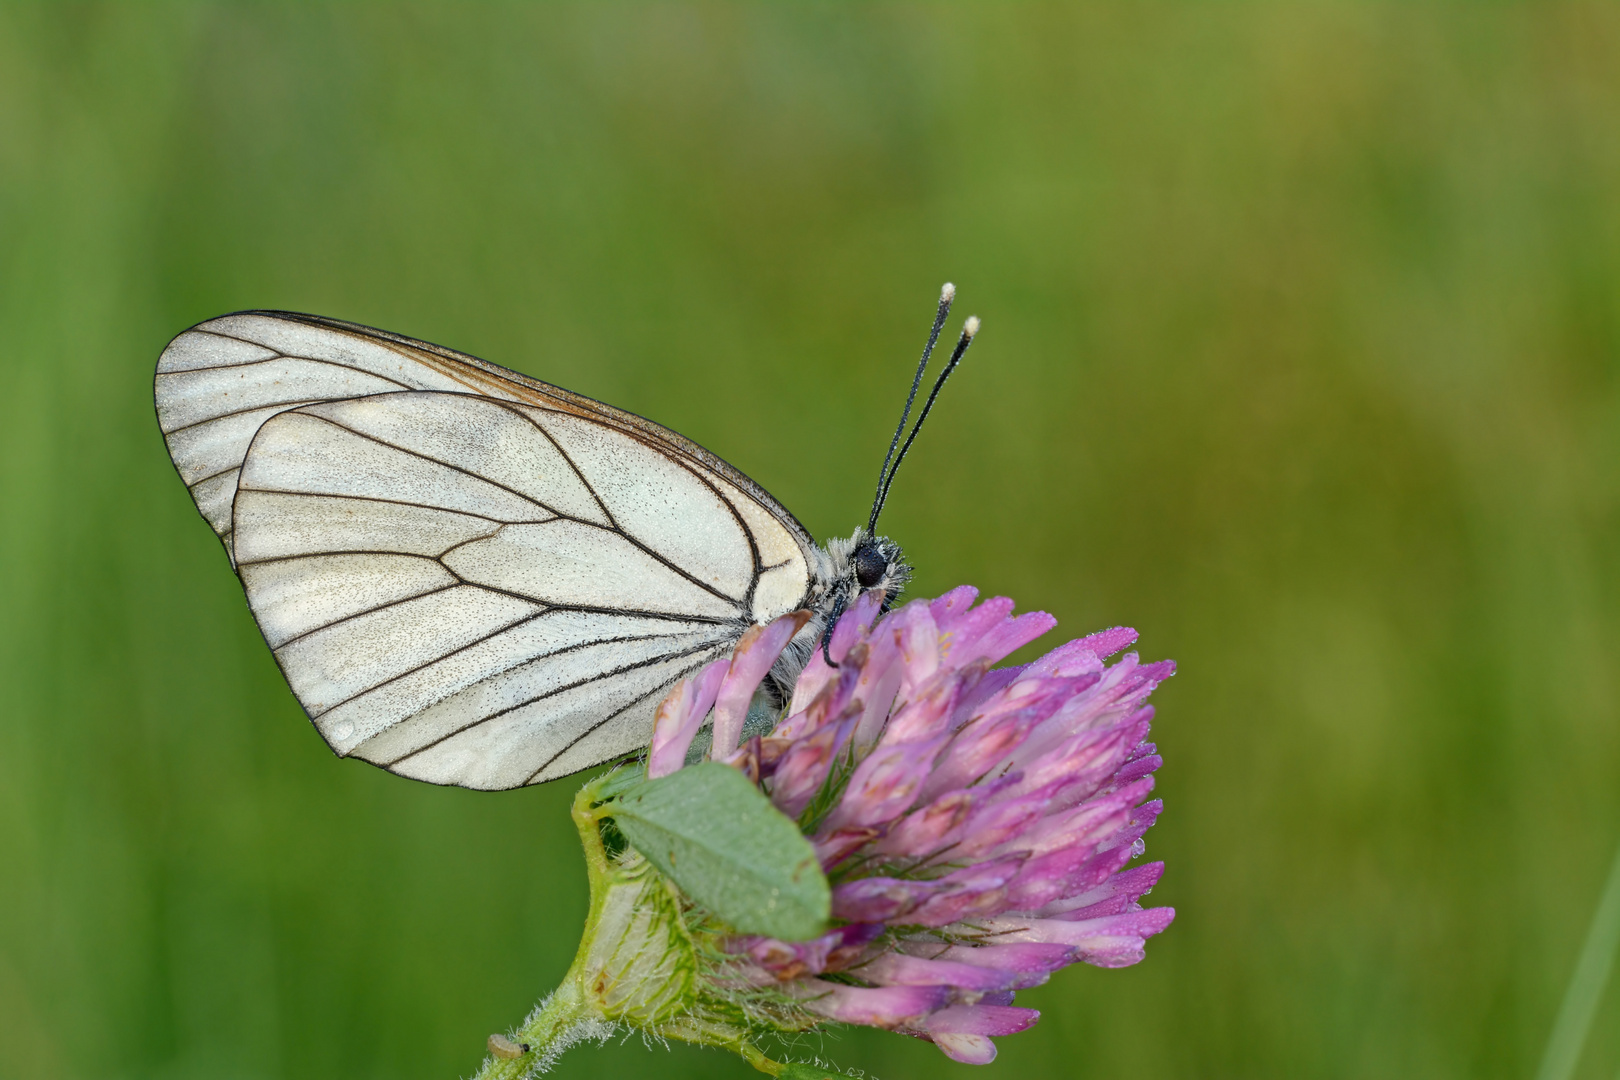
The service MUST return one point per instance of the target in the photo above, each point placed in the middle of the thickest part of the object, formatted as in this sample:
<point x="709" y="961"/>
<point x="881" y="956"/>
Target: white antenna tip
<point x="948" y="293"/>
<point x="970" y="327"/>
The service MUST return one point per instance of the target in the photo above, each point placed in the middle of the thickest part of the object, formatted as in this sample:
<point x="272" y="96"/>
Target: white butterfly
<point x="472" y="577"/>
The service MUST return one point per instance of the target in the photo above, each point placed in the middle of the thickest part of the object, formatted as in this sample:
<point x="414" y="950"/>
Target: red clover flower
<point x="974" y="824"/>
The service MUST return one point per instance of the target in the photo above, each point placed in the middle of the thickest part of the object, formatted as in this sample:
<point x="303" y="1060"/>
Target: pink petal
<point x="1113" y="896"/>
<point x="794" y="959"/>
<point x="918" y="639"/>
<point x="1052" y="876"/>
<point x="979" y="889"/>
<point x="880" y="899"/>
<point x="852" y="628"/>
<point x="1129" y="835"/>
<point x="968" y="1049"/>
<point x="803" y="768"/>
<point x="998" y="823"/>
<point x="1071" y="659"/>
<point x="886" y="784"/>
<point x="828" y="706"/>
<point x="1030" y="962"/>
<point x="750" y="661"/>
<point x="1083" y="763"/>
<point x="980" y="1020"/>
<point x="1105" y="643"/>
<point x="855" y="624"/>
<point x="1112" y="941"/>
<point x="883" y="1006"/>
<point x="925" y="831"/>
<point x="877" y="686"/>
<point x="898" y="969"/>
<point x="680" y="716"/>
<point x="975" y="701"/>
<point x="1009" y="637"/>
<point x="983" y="745"/>
<point x="950" y="607"/>
<point x="840" y="844"/>
<point x="959" y="641"/>
<point x="1086" y="824"/>
<point x="813" y="680"/>
<point x="928" y="711"/>
<point x="1142" y="766"/>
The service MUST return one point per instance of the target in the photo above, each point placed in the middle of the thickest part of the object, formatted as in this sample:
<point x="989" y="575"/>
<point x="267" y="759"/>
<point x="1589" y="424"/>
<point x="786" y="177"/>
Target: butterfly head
<point x="865" y="563"/>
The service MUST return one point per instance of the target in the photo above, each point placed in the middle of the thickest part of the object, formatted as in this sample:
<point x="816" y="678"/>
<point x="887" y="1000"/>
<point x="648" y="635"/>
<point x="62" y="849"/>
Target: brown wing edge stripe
<point x="579" y="402"/>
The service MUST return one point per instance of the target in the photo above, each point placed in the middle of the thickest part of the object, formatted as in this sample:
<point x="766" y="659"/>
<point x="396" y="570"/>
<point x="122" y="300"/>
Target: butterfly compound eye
<point x="870" y="564"/>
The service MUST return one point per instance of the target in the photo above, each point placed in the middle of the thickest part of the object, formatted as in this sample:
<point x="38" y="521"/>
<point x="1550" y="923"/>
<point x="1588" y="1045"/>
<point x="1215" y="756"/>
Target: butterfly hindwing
<point x="467" y="576"/>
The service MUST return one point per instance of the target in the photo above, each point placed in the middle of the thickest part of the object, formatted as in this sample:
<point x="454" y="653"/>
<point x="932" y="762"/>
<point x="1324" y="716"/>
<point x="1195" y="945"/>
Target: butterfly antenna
<point x="969" y="328"/>
<point x="946" y="295"/>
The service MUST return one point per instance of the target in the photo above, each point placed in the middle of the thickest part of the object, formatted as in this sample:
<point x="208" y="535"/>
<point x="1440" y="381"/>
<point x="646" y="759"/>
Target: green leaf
<point x="717" y="836"/>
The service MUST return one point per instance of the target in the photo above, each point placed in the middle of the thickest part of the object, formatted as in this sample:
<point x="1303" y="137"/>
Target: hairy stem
<point x="568" y="1015"/>
<point x="636" y="965"/>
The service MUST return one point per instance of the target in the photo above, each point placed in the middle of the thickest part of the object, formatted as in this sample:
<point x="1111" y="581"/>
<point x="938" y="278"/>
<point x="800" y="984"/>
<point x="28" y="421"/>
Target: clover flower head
<point x="976" y="823"/>
<point x="975" y="828"/>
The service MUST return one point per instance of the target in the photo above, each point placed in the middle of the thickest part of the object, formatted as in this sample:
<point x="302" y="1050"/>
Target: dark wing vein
<point x="211" y="476"/>
<point x="429" y="457"/>
<point x="361" y="551"/>
<point x="443" y="656"/>
<point x="392" y="502"/>
<point x="626" y="534"/>
<point x="397" y="502"/>
<point x="285" y="406"/>
<point x="588" y="609"/>
<point x="609" y="718"/>
<point x="553" y="693"/>
<point x="616" y="527"/>
<point x="742" y="526"/>
<point x="557" y="446"/>
<point x="491" y="636"/>
<point x="384" y="606"/>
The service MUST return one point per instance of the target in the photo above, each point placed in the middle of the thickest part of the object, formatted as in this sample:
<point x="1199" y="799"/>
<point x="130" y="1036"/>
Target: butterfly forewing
<point x="467" y="576"/>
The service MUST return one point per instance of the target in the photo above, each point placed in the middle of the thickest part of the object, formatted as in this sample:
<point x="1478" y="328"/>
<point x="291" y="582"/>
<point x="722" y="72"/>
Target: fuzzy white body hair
<point x="834" y="587"/>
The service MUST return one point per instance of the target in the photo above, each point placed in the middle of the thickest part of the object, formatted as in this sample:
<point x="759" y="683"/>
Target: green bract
<point x="653" y="957"/>
<point x="714" y="834"/>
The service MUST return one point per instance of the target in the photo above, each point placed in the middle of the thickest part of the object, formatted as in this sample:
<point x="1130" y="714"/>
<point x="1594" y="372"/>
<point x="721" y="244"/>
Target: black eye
<point x="870" y="565"/>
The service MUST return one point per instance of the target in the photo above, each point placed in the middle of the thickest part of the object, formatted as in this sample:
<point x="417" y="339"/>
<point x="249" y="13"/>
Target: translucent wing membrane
<point x="467" y="576"/>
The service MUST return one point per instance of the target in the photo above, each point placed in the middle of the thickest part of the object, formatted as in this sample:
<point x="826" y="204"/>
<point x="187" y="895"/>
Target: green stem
<point x="548" y="1031"/>
<point x="751" y="1054"/>
<point x="593" y="995"/>
<point x="556" y="1024"/>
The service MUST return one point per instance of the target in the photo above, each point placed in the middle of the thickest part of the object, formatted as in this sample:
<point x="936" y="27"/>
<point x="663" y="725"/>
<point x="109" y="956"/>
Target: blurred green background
<point x="1301" y="354"/>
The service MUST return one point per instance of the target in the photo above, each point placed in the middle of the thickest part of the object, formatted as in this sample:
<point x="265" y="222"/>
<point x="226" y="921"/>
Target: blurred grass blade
<point x="1585" y="986"/>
